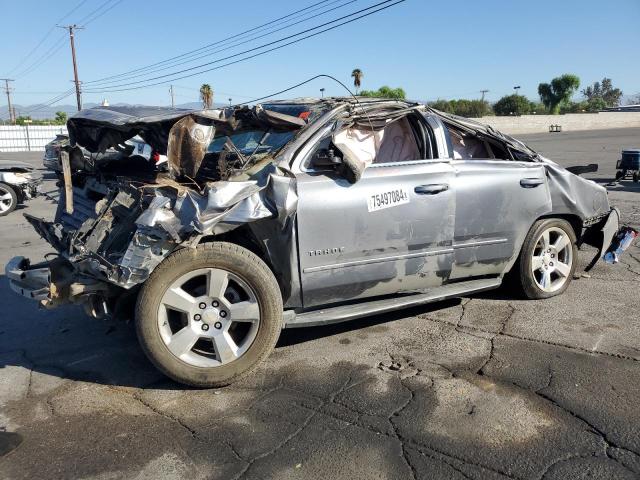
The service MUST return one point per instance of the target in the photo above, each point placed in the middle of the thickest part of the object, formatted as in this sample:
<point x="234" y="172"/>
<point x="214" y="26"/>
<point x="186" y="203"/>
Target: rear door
<point x="497" y="201"/>
<point x="389" y="232"/>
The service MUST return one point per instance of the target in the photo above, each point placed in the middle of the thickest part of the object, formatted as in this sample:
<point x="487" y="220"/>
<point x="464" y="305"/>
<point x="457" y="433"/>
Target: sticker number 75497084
<point x="386" y="199"/>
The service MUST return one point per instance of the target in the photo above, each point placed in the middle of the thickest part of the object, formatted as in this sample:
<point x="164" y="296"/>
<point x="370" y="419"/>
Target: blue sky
<point x="432" y="49"/>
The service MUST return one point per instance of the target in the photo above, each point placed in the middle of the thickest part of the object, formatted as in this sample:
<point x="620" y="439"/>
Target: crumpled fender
<point x="607" y="232"/>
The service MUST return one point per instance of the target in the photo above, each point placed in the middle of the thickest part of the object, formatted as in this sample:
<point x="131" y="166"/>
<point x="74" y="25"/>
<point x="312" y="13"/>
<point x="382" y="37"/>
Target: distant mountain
<point x="43" y="113"/>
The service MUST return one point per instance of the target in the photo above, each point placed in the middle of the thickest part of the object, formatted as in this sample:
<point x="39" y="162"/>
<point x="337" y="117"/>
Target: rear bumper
<point x="607" y="229"/>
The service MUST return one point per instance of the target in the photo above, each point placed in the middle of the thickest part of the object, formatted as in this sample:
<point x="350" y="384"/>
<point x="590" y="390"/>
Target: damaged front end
<point x="118" y="219"/>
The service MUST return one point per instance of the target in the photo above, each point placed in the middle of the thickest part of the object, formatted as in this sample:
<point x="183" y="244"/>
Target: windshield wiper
<point x="260" y="144"/>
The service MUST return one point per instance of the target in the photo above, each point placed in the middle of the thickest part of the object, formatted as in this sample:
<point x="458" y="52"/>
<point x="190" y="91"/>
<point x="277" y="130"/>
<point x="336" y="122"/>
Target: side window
<point x="402" y="140"/>
<point x="398" y="143"/>
<point x="467" y="146"/>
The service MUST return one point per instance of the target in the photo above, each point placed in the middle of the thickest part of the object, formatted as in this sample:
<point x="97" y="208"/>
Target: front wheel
<point x="548" y="258"/>
<point x="208" y="316"/>
<point x="8" y="199"/>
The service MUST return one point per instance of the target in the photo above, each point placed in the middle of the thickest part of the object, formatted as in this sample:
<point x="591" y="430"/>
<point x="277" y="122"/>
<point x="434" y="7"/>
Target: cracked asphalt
<point x="485" y="387"/>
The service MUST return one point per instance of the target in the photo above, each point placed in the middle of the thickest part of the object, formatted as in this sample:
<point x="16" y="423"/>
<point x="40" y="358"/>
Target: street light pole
<point x="516" y="88"/>
<point x="322" y="92"/>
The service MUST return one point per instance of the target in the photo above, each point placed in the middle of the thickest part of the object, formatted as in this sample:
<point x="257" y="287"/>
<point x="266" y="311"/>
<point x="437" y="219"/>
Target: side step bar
<point x="350" y="312"/>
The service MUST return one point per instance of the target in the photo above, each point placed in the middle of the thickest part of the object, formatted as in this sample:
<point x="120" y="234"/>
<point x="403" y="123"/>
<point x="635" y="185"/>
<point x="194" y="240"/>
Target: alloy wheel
<point x="208" y="317"/>
<point x="6" y="200"/>
<point x="552" y="259"/>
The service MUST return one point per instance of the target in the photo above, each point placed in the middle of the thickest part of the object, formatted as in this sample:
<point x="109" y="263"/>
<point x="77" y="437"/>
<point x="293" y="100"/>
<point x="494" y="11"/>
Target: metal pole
<point x="173" y="103"/>
<point x="26" y="129"/>
<point x="483" y="92"/>
<point x="71" y="28"/>
<point x="12" y="117"/>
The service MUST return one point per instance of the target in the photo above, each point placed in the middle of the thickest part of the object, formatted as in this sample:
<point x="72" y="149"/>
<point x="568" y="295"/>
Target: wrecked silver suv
<point x="297" y="213"/>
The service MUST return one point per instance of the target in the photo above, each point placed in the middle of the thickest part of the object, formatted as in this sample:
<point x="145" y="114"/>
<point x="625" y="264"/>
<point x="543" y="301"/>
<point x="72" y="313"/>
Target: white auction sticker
<point x="387" y="199"/>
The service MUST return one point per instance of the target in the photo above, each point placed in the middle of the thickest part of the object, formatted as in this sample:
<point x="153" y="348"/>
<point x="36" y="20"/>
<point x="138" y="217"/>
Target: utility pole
<point x="516" y="88"/>
<point x="12" y="116"/>
<point x="173" y="102"/>
<point x="483" y="92"/>
<point x="71" y="28"/>
<point x="322" y="92"/>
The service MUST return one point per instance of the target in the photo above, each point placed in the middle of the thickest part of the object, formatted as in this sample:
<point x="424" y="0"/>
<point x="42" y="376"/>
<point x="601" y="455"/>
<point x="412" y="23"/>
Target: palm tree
<point x="206" y="95"/>
<point x="357" y="78"/>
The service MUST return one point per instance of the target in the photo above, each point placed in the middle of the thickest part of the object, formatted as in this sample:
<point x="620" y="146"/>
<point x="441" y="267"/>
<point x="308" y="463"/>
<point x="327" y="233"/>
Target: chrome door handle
<point x="431" y="189"/>
<point x="531" y="182"/>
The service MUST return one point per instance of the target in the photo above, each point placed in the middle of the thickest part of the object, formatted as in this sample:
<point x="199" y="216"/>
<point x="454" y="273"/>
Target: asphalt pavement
<point x="484" y="387"/>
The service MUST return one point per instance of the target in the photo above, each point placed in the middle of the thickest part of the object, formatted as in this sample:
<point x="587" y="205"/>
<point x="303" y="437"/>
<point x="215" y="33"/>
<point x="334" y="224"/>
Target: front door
<point x="390" y="232"/>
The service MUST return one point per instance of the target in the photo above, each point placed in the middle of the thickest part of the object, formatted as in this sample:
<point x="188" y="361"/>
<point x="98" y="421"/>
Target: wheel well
<point x="574" y="221"/>
<point x="243" y="237"/>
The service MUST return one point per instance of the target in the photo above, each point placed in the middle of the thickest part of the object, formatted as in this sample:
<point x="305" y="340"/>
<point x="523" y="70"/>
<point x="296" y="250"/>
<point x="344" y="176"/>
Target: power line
<point x="49" y="102"/>
<point x="46" y="35"/>
<point x="383" y="6"/>
<point x="191" y="57"/>
<point x="209" y="45"/>
<point x="89" y="15"/>
<point x="45" y="57"/>
<point x="87" y="22"/>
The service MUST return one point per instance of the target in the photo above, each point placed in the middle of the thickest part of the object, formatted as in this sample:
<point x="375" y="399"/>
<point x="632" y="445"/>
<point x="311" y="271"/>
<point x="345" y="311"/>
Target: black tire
<point x="528" y="283"/>
<point x="220" y="255"/>
<point x="10" y="204"/>
<point x="635" y="177"/>
<point x="619" y="174"/>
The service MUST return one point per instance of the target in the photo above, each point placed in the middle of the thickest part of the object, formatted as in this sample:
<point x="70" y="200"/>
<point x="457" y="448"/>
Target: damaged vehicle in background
<point x="134" y="147"/>
<point x="298" y="213"/>
<point x="18" y="183"/>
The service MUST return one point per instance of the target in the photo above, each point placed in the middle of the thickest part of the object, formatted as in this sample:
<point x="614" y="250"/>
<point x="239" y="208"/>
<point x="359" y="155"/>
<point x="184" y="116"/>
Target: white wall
<point x="569" y="122"/>
<point x="17" y="138"/>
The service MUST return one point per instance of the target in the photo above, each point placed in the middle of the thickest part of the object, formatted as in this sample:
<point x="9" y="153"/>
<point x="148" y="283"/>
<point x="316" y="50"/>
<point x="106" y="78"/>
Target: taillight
<point x="155" y="156"/>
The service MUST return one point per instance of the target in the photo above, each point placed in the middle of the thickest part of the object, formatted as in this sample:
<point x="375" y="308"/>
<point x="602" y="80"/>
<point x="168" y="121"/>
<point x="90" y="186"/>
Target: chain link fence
<point x="28" y="138"/>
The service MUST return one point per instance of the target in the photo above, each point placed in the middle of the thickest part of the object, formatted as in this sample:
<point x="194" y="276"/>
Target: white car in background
<point x="18" y="183"/>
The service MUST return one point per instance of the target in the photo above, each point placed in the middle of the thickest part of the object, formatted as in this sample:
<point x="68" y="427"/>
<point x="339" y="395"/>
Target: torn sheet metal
<point x="223" y="205"/>
<point x="187" y="145"/>
<point x="576" y="195"/>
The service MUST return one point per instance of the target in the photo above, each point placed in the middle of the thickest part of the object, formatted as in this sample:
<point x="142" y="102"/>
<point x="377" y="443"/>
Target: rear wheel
<point x="8" y="199"/>
<point x="635" y="177"/>
<point x="208" y="316"/>
<point x="548" y="258"/>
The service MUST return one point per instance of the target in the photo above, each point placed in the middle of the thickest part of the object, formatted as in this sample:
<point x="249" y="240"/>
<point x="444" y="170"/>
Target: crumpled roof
<point x="100" y="128"/>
